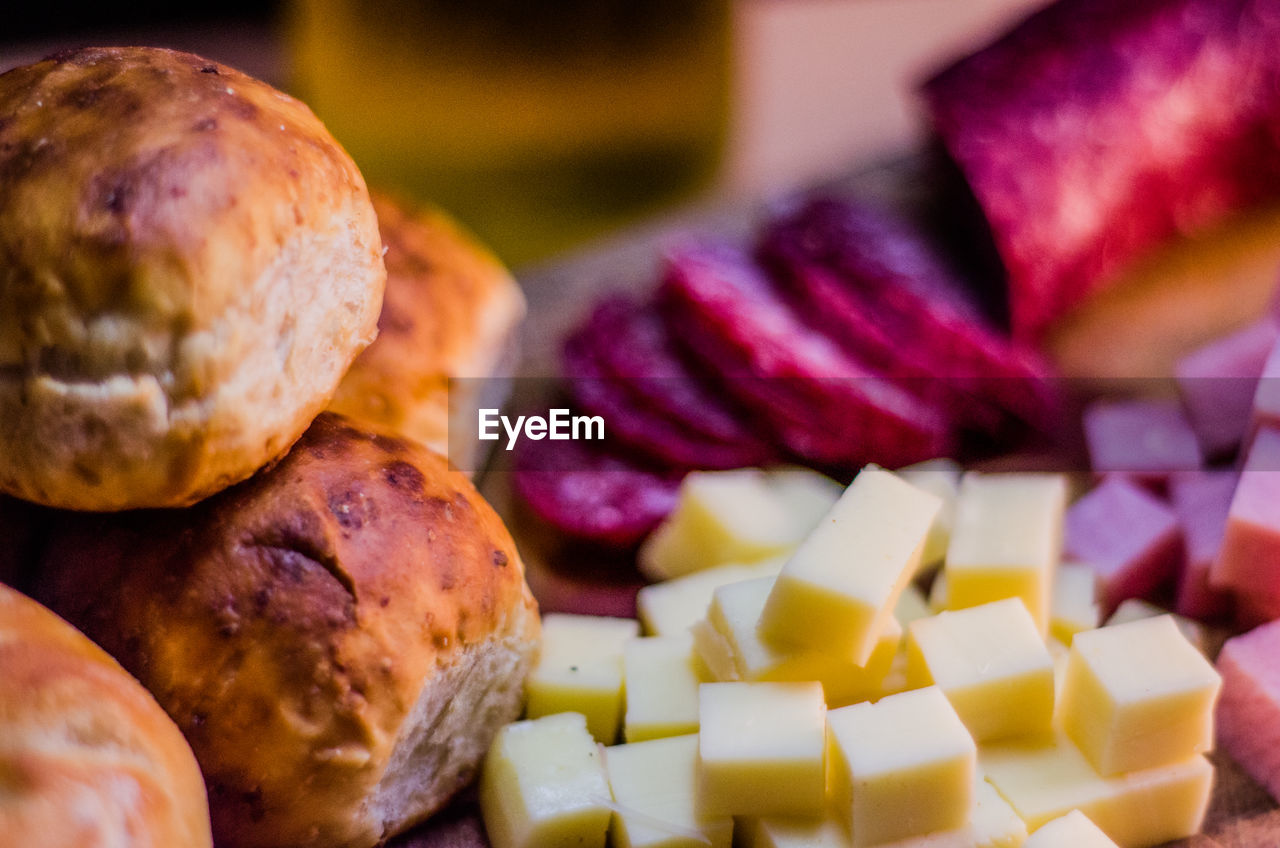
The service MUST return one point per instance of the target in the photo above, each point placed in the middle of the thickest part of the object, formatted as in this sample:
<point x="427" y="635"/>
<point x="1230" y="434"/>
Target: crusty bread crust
<point x="87" y="758"/>
<point x="188" y="264"/>
<point x="449" y="317"/>
<point x="338" y="637"/>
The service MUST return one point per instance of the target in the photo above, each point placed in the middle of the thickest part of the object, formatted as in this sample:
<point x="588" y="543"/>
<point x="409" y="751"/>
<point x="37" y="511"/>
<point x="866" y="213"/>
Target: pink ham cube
<point x="1248" y="712"/>
<point x="1148" y="438"/>
<point x="1249" y="560"/>
<point x="1266" y="399"/>
<point x="1201" y="501"/>
<point x="1129" y="537"/>
<point x="1218" y="382"/>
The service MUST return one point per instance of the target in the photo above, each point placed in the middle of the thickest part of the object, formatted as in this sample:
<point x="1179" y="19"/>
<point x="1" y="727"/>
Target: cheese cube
<point x="805" y="494"/>
<point x="720" y="517"/>
<point x="1136" y="609"/>
<point x="990" y="663"/>
<point x="942" y="478"/>
<point x="1045" y="780"/>
<point x="671" y="607"/>
<point x="912" y="604"/>
<point x="1074" y="830"/>
<point x="888" y="756"/>
<point x="894" y="682"/>
<point x="732" y="649"/>
<point x="543" y="786"/>
<point x="1138" y="695"/>
<point x="655" y="784"/>
<point x="661" y="679"/>
<point x="992" y="824"/>
<point x="761" y="748"/>
<point x="1006" y="541"/>
<point x="938" y="593"/>
<point x="837" y="591"/>
<point x="1060" y="653"/>
<point x="579" y="670"/>
<point x="794" y="832"/>
<point x="1074" y="605"/>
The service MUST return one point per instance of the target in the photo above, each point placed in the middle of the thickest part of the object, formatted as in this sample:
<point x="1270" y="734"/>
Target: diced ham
<point x="1249" y="560"/>
<point x="1217" y="383"/>
<point x="1129" y="537"/>
<point x="1248" y="712"/>
<point x="1202" y="501"/>
<point x="1147" y="438"/>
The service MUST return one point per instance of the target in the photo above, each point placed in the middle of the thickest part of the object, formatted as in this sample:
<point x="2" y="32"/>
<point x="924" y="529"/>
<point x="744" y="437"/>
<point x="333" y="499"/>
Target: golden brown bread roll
<point x="190" y="263"/>
<point x="87" y="758"/>
<point x="338" y="637"/>
<point x="450" y="313"/>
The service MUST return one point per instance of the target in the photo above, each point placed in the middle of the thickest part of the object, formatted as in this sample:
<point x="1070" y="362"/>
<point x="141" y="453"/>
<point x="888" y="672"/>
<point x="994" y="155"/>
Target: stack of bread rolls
<point x="329" y="613"/>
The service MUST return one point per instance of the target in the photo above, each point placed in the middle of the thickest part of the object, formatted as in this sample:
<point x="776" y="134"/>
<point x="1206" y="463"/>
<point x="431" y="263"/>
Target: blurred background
<point x="546" y="126"/>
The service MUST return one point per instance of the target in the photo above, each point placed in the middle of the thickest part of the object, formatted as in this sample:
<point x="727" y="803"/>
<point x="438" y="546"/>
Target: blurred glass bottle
<point x="538" y="124"/>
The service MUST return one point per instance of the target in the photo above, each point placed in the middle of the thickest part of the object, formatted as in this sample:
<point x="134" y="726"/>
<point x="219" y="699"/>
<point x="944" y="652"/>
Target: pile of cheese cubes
<point x="797" y="690"/>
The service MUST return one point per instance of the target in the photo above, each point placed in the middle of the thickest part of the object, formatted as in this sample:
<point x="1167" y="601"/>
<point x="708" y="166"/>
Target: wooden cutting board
<point x="572" y="578"/>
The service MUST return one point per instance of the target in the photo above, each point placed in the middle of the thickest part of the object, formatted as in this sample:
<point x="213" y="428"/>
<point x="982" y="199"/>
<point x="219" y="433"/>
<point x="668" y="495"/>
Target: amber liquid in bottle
<point x="539" y="125"/>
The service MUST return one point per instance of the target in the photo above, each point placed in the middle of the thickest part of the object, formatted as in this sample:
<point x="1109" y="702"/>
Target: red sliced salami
<point x="858" y="265"/>
<point x="825" y="405"/>
<point x="1096" y="130"/>
<point x="592" y="495"/>
<point x="621" y="364"/>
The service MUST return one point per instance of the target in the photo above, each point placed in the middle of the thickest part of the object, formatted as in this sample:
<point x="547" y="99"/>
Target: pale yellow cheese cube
<point x="912" y="604"/>
<point x="805" y="494"/>
<point x="1060" y="654"/>
<point x="672" y="606"/>
<point x="1006" y="540"/>
<point x="579" y="669"/>
<point x="655" y="786"/>
<point x="901" y="767"/>
<point x="1074" y="605"/>
<point x="991" y="664"/>
<point x="730" y="646"/>
<point x="761" y="748"/>
<point x="1074" y="830"/>
<point x="942" y="478"/>
<point x="720" y="517"/>
<point x="661" y="679"/>
<point x="793" y="832"/>
<point x="1138" y="695"/>
<point x="837" y="591"/>
<point x="543" y="785"/>
<point x="1043" y="781"/>
<point x="895" y="681"/>
<point x="1134" y="609"/>
<point x="992" y="824"/>
<point x="938" y="593"/>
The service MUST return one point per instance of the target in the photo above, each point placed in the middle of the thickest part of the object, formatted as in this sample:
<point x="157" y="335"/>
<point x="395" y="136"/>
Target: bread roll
<point x="190" y="263"/>
<point x="338" y="637"/>
<point x="87" y="758"/>
<point x="449" y="314"/>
